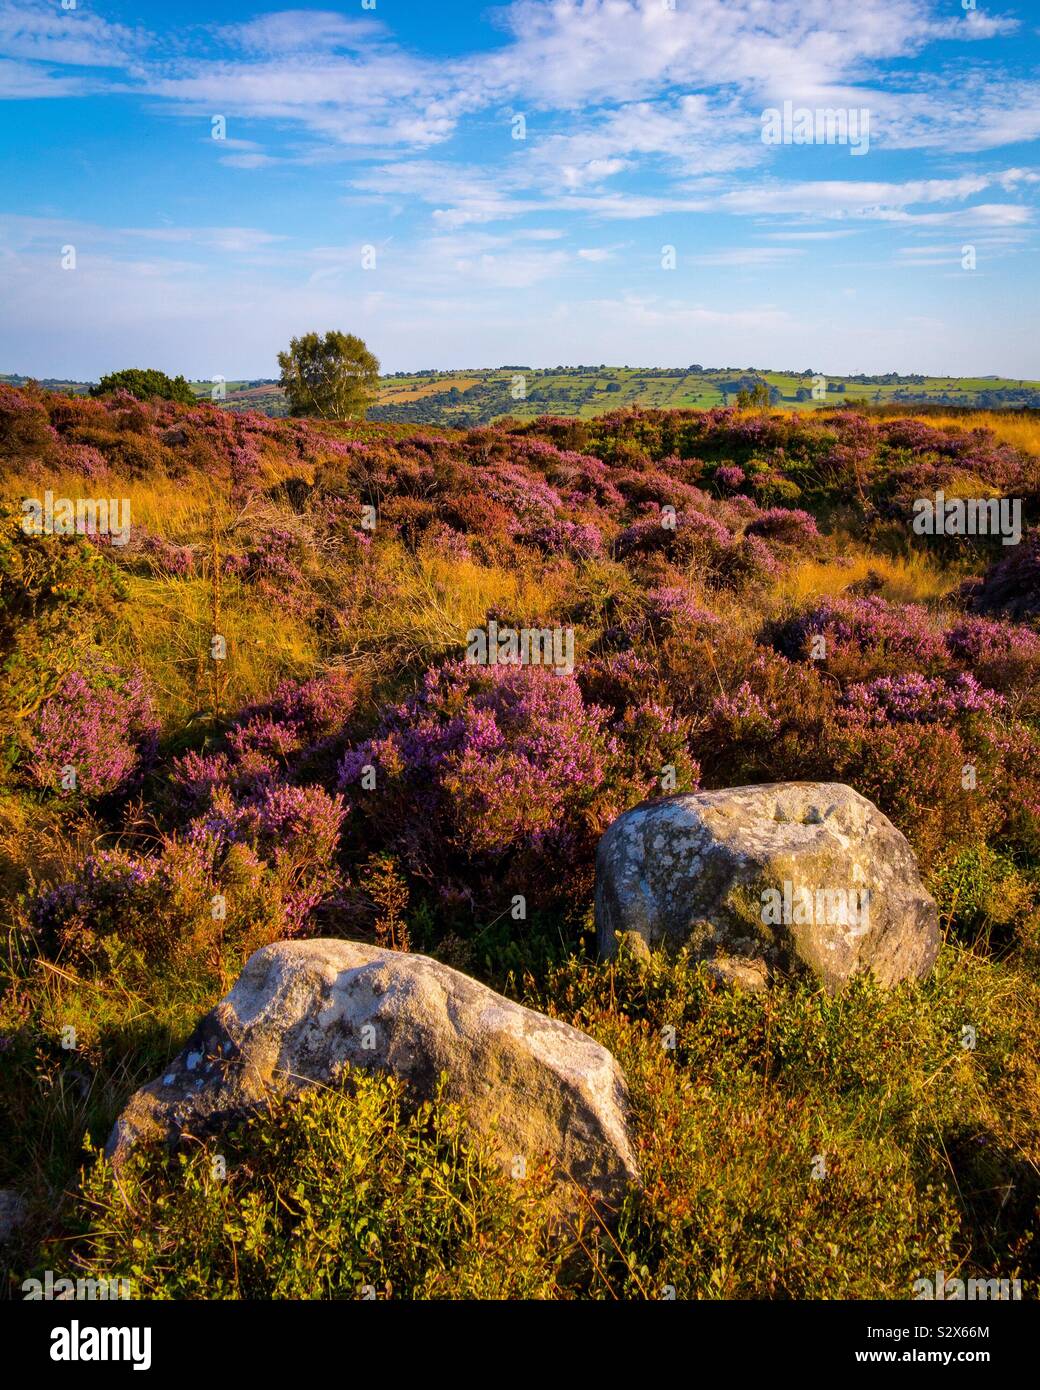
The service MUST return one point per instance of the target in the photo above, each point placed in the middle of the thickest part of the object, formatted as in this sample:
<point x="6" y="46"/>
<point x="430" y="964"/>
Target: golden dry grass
<point x="1023" y="431"/>
<point x="435" y="600"/>
<point x="178" y="509"/>
<point x="166" y="627"/>
<point x="911" y="579"/>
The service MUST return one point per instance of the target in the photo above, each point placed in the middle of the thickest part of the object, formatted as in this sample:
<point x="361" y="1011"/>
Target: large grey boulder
<point x="301" y="1012"/>
<point x="785" y="878"/>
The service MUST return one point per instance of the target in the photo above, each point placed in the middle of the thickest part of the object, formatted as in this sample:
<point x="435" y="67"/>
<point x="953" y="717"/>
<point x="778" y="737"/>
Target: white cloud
<point x="46" y="33"/>
<point x="634" y="112"/>
<point x="28" y="81"/>
<point x="574" y="52"/>
<point x="303" y="31"/>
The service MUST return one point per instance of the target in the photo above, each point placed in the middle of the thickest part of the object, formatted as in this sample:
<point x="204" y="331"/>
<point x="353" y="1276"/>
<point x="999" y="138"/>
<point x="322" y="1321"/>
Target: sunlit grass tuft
<point x="166" y="627"/>
<point x="911" y="579"/>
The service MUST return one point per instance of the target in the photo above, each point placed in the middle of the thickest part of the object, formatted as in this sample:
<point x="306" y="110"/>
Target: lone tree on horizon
<point x="335" y="377"/>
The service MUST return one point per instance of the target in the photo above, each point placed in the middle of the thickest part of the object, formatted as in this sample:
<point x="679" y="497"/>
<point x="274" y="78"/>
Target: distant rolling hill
<point x="478" y="396"/>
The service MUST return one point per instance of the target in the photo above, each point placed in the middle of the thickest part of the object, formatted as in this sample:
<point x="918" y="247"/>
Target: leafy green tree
<point x="335" y="377"/>
<point x="146" y="384"/>
<point x="758" y="396"/>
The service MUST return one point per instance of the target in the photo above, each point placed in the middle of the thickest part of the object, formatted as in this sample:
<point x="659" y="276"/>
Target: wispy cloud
<point x="641" y="126"/>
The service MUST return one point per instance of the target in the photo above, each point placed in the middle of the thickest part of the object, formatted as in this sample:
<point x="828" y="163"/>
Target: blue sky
<point x="370" y="180"/>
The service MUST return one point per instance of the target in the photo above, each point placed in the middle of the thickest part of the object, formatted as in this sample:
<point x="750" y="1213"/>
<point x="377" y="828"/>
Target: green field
<point x="466" y="398"/>
<point x="478" y="396"/>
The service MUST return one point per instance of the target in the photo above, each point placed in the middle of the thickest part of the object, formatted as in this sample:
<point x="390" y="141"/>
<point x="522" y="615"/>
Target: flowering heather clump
<point x="990" y="642"/>
<point x="672" y="609"/>
<point x="662" y="487"/>
<point x="568" y="538"/>
<point x="25" y="428"/>
<point x="499" y="765"/>
<point x="785" y="526"/>
<point x="1003" y="655"/>
<point x="694" y="534"/>
<point x="296" y="727"/>
<point x="319" y="707"/>
<point x="642" y="537"/>
<point x="864" y="637"/>
<point x="275" y="565"/>
<point x="974" y="451"/>
<point x="113" y="892"/>
<point x="738" y="509"/>
<point x="743" y="714"/>
<point x="1017" y="747"/>
<point x="559" y="464"/>
<point x="84" y="461"/>
<point x="274" y="740"/>
<point x="921" y="699"/>
<point x="1011" y="586"/>
<point x="165" y="557"/>
<point x="294" y="829"/>
<point x="917" y="436"/>
<point x="730" y="476"/>
<point x="245" y="467"/>
<point x="99" y="722"/>
<point x="528" y="499"/>
<point x="581" y="479"/>
<point x="446" y="541"/>
<point x="653" y="745"/>
<point x="234" y="566"/>
<point x="288" y="834"/>
<point x="748" y="561"/>
<point x="618" y="680"/>
<point x="915" y="773"/>
<point x="162" y="907"/>
<point x="194" y="777"/>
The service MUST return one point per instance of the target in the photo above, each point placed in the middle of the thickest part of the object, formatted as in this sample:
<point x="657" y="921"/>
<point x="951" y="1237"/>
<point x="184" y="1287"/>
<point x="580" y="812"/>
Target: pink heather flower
<point x="526" y="496"/>
<point x="730" y="476"/>
<point x="283" y="824"/>
<point x="743" y="713"/>
<point x="673" y="609"/>
<point x="992" y="642"/>
<point x="167" y="557"/>
<point x="921" y="699"/>
<point x="100" y="722"/>
<point x="784" y="526"/>
<point x="695" y="530"/>
<point x="484" y="762"/>
<point x="300" y="722"/>
<point x="870" y="627"/>
<point x="570" y="538"/>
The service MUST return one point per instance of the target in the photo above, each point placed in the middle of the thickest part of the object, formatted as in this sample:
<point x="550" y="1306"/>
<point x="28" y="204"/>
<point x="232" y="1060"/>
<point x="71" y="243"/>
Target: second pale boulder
<point x="784" y="878"/>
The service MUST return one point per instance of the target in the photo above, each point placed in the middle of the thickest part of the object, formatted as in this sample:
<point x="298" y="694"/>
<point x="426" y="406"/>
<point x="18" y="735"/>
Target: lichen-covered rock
<point x="302" y="1012"/>
<point x="788" y="877"/>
